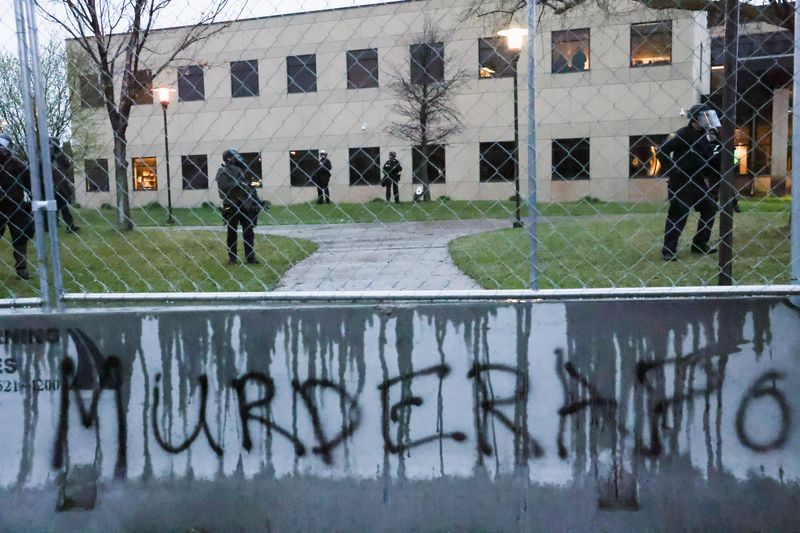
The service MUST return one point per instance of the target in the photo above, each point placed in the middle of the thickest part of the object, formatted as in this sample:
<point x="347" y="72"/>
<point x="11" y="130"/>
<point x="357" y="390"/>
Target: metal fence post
<point x="726" y="190"/>
<point x="44" y="150"/>
<point x="794" y="217"/>
<point x="532" y="214"/>
<point x="30" y="138"/>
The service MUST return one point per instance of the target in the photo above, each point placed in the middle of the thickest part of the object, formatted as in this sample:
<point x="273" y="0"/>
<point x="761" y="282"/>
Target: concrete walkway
<point x="378" y="256"/>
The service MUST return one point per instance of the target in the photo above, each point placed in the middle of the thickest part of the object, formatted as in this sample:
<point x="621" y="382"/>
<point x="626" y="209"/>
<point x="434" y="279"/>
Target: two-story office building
<point x="609" y="86"/>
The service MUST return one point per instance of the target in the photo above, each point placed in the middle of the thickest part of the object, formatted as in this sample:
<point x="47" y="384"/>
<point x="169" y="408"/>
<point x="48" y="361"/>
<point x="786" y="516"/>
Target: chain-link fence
<point x="227" y="146"/>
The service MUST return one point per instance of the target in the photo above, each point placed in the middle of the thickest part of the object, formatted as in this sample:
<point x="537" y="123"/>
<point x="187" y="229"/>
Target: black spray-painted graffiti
<point x="486" y="405"/>
<point x="98" y="374"/>
<point x="659" y="403"/>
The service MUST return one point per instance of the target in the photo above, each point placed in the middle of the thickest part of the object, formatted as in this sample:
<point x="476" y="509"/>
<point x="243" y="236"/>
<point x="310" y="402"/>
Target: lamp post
<point x="162" y="93"/>
<point x="515" y="38"/>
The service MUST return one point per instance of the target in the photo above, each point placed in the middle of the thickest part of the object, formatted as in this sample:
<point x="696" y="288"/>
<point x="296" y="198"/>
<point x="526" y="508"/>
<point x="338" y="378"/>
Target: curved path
<point x="378" y="256"/>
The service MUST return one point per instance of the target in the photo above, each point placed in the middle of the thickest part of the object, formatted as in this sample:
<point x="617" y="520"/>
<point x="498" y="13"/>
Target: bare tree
<point x="54" y="74"/>
<point x="112" y="34"/>
<point x="424" y="98"/>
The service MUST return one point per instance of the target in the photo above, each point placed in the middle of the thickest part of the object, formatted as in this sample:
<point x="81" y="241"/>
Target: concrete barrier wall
<point x="664" y="415"/>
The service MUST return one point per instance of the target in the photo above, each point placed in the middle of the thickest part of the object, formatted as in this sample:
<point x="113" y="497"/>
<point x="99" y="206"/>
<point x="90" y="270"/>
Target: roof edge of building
<point x="267" y="17"/>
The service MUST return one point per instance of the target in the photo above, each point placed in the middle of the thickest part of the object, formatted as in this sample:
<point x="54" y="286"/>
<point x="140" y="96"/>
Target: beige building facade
<point x="608" y="86"/>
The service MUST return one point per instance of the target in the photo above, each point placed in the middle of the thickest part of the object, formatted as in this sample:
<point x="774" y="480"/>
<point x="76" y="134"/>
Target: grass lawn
<point x="585" y="243"/>
<point x="375" y="211"/>
<point x="101" y="259"/>
<point x="380" y="211"/>
<point x="625" y="251"/>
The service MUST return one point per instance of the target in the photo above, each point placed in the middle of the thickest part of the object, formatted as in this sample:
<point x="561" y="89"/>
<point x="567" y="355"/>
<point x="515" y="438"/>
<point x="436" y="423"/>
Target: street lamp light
<point x="515" y="39"/>
<point x="163" y="95"/>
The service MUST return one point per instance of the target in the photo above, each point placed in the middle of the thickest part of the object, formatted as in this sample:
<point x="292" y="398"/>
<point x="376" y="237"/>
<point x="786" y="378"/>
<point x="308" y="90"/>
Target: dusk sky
<point x="180" y="12"/>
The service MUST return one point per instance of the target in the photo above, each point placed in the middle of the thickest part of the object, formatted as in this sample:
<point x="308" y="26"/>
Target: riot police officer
<point x="15" y="206"/>
<point x="391" y="177"/>
<point x="322" y="177"/>
<point x="63" y="188"/>
<point x="240" y="204"/>
<point x="692" y="157"/>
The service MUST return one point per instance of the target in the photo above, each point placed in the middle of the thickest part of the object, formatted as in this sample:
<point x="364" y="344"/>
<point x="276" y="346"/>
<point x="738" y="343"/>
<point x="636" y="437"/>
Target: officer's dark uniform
<point x="392" y="170"/>
<point x="322" y="177"/>
<point x="15" y="208"/>
<point x="693" y="164"/>
<point x="63" y="188"/>
<point x="240" y="205"/>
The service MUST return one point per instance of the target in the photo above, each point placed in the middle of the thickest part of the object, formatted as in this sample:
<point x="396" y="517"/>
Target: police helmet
<point x="704" y="115"/>
<point x="231" y="153"/>
<point x="392" y="154"/>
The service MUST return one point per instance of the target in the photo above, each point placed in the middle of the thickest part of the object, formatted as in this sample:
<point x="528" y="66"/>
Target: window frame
<point x="189" y="91"/>
<point x="421" y="74"/>
<point x="372" y="174"/>
<point x="253" y="161"/>
<point x="292" y="87"/>
<point x="239" y="85"/>
<point x="295" y="167"/>
<point x="135" y="165"/>
<point x="569" y="69"/>
<point x="491" y="173"/>
<point x="437" y="149"/>
<point x="639" y="34"/>
<point x="200" y="170"/>
<point x="94" y="98"/>
<point x="585" y="173"/>
<point x="354" y="63"/>
<point x="488" y="52"/>
<point x="95" y="164"/>
<point x="656" y="140"/>
<point x="142" y="93"/>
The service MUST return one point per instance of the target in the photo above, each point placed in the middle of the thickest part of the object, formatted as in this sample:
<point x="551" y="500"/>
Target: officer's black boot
<point x="21" y="260"/>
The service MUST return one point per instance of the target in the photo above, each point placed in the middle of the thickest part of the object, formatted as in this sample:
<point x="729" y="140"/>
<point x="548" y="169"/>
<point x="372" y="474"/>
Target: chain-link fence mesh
<point x="248" y="146"/>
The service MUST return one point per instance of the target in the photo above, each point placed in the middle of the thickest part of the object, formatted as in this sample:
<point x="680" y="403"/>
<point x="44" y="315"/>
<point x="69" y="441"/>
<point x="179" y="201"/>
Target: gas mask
<point x="709" y="121"/>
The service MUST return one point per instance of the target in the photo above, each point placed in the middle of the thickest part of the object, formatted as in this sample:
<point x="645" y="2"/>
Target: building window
<point x="96" y="172"/>
<point x="141" y="93"/>
<point x="651" y="44"/>
<point x="191" y="83"/>
<point x="495" y="60"/>
<point x="365" y="166"/>
<point x="741" y="149"/>
<point x="303" y="164"/>
<point x="644" y="162"/>
<point x="571" y="159"/>
<point x="145" y="176"/>
<point x="761" y="150"/>
<point x="427" y="63"/>
<point x="498" y="161"/>
<point x="252" y="166"/>
<point x="244" y="78"/>
<point x="301" y="73"/>
<point x="435" y="163"/>
<point x="91" y="91"/>
<point x="570" y="51"/>
<point x="362" y="68"/>
<point x="194" y="169"/>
